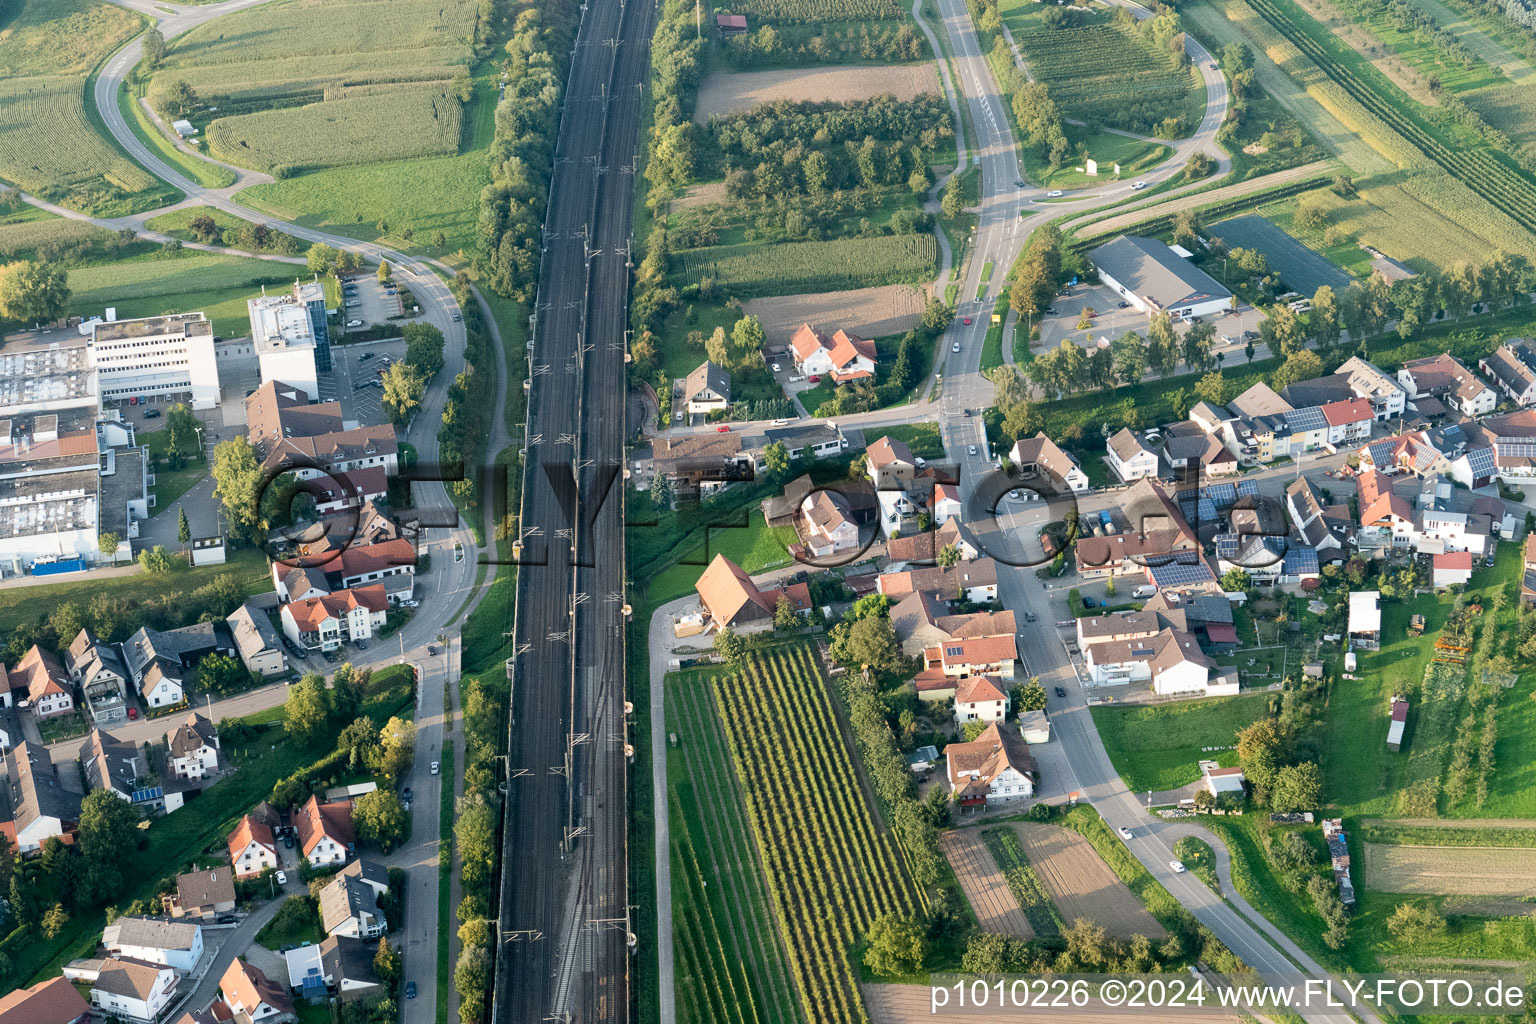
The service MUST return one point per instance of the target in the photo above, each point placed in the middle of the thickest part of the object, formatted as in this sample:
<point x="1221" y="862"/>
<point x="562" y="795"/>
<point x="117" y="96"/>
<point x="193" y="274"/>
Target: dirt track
<point x="909" y="1004"/>
<point x="724" y="92"/>
<point x="1081" y="884"/>
<point x="1122" y="221"/>
<point x="984" y="885"/>
<point x="867" y="312"/>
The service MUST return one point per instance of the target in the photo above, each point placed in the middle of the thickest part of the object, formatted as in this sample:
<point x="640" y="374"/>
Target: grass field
<point x="175" y="224"/>
<point x="217" y="285"/>
<point x="922" y="438"/>
<point x="723" y="920"/>
<point x="1108" y="149"/>
<point x="1304" y="270"/>
<point x="205" y="173"/>
<point x="30" y="228"/>
<point x="61" y="37"/>
<point x="782" y="268"/>
<point x="756" y="547"/>
<point x="1158" y="746"/>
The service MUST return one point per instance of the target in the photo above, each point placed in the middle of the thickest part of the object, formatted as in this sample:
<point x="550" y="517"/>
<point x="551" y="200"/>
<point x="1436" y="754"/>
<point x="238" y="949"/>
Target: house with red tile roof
<point x="251" y="995"/>
<point x="965" y="656"/>
<point x="980" y="699"/>
<point x="325" y="831"/>
<point x="844" y="357"/>
<point x="45" y="681"/>
<point x="1348" y="421"/>
<point x="54" y="1001"/>
<point x="729" y="598"/>
<point x="996" y="767"/>
<point x="252" y="848"/>
<point x="1452" y="568"/>
<point x="323" y="623"/>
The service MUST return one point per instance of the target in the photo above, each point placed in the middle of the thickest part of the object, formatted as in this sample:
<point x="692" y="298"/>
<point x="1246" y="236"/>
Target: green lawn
<point x="1106" y="148"/>
<point x="215" y="284"/>
<point x="30" y="604"/>
<point x="279" y="933"/>
<point x="171" y="484"/>
<point x="756" y="548"/>
<point x="205" y="173"/>
<point x="175" y="224"/>
<point x="1158" y="746"/>
<point x="922" y="438"/>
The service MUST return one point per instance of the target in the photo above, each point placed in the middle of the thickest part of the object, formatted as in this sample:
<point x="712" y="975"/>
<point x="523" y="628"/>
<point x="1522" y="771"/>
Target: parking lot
<point x="366" y="300"/>
<point x="240" y="374"/>
<point x="1112" y="321"/>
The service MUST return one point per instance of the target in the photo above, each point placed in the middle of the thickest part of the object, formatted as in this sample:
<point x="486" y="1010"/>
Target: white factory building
<point x="291" y="338"/>
<point x="154" y="356"/>
<point x="1155" y="278"/>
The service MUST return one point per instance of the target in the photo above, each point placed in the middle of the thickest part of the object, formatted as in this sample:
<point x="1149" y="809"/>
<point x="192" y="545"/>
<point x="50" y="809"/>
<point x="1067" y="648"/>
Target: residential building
<point x="325" y="831"/>
<point x="349" y="906"/>
<point x="298" y="582"/>
<point x="133" y="989"/>
<point x="1397" y="716"/>
<point x="729" y="598"/>
<point x="97" y="669"/>
<point x="1158" y="535"/>
<point x="1528" y="571"/>
<point x="194" y="748"/>
<point x="203" y="894"/>
<point x="1038" y="460"/>
<point x="996" y="767"/>
<point x="1367" y="380"/>
<point x="161" y="661"/>
<point x="1348" y="421"/>
<point x="699" y="465"/>
<point x="339" y="965"/>
<point x="844" y="357"/>
<point x="975" y="581"/>
<point x="963" y="657"/>
<point x="1129" y="456"/>
<point x="945" y="503"/>
<point x="54" y="1001"/>
<point x="890" y="464"/>
<point x="980" y="699"/>
<point x="1365" y="619"/>
<point x="1217" y="780"/>
<point x="827" y="526"/>
<point x="117" y="767"/>
<point x="151" y="357"/>
<point x="1171" y="661"/>
<point x="1035" y="726"/>
<point x="46" y="683"/>
<point x="1512" y="367"/>
<point x="252" y="848"/>
<point x="925" y="547"/>
<point x="341" y="490"/>
<point x="1447" y="378"/>
<point x="325" y="623"/>
<point x="1414" y="452"/>
<point x="922" y="620"/>
<point x="1125" y="626"/>
<point x="1437" y="531"/>
<point x="1513" y="436"/>
<point x="291" y="336"/>
<point x="251" y="996"/>
<point x="34" y="806"/>
<point x="1452" y="568"/>
<point x="801" y="440"/>
<point x="1154" y="279"/>
<point x="707" y="389"/>
<point x="277" y="411"/>
<point x="258" y="641"/>
<point x="174" y="944"/>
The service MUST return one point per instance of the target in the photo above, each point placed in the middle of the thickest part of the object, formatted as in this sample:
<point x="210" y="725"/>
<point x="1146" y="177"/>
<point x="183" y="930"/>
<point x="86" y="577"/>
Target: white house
<point x="261" y="649"/>
<point x="325" y="831"/>
<point x="160" y="688"/>
<point x="45" y="681"/>
<point x="35" y="805"/>
<point x="252" y="848"/>
<point x="980" y="699"/>
<point x="1452" y="568"/>
<point x="1365" y="619"/>
<point x="1129" y="456"/>
<point x="174" y="944"/>
<point x="944" y="504"/>
<point x="706" y="389"/>
<point x="325" y="623"/>
<point x="248" y="991"/>
<point x="827" y="525"/>
<point x="341" y="965"/>
<point x="976" y="580"/>
<point x="1348" y="421"/>
<point x="844" y="357"/>
<point x="1447" y="378"/>
<point x="1171" y="660"/>
<point x="1039" y="459"/>
<point x="133" y="989"/>
<point x="1218" y="780"/>
<point x="1438" y="531"/>
<point x="194" y="748"/>
<point x="349" y="906"/>
<point x="1511" y="368"/>
<point x="996" y="766"/>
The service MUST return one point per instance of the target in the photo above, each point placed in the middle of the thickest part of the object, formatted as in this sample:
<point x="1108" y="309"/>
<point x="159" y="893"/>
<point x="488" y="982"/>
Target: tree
<point x="776" y="456"/>
<point x="397" y="748"/>
<point x="1414" y="924"/>
<point x="785" y="618"/>
<point x="1197" y="345"/>
<point x="716" y="349"/>
<point x="475" y="834"/>
<point x="1212" y="388"/>
<point x="424" y="348"/>
<point x="472" y="980"/>
<point x="747" y="341"/>
<point x="662" y="492"/>
<point x="54" y="921"/>
<point x="221" y="674"/>
<point x="359" y="741"/>
<point x="936" y="315"/>
<point x="154" y="48"/>
<point x="869" y="641"/>
<point x="948" y="555"/>
<point x="306" y="710"/>
<point x="730" y="645"/>
<point x="404" y="385"/>
<point x="895" y="945"/>
<point x="387" y="963"/>
<point x="871" y="605"/>
<point x="176" y="98"/>
<point x="109" y="830"/>
<point x="1235" y="580"/>
<point x="1130" y="358"/>
<point x="379" y="818"/>
<point x="107" y="543"/>
<point x="1197" y="167"/>
<point x="1297" y="787"/>
<point x="1186" y="228"/>
<point x="1162" y="345"/>
<point x="320" y="259"/>
<point x="383" y="273"/>
<point x="1302" y="365"/>
<point x="952" y="201"/>
<point x="156" y="561"/>
<point x="237" y="482"/>
<point x="1031" y="697"/>
<point x="33" y="292"/>
<point x="1260" y="749"/>
<point x="183" y="528"/>
<point x="1323" y="318"/>
<point x="1282" y="331"/>
<point x="1311" y="214"/>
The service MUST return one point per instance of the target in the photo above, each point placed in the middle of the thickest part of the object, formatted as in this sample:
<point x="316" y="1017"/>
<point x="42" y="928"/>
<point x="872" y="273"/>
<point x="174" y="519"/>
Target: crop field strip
<point x="795" y="12"/>
<point x="710" y="832"/>
<point x="1081" y="885"/>
<point x="75" y="158"/>
<point x="839" y="264"/>
<point x="985" y="887"/>
<point x="1093" y="70"/>
<point x="1451" y="870"/>
<point x="830" y="869"/>
<point x="1024" y="883"/>
<point x="1477" y="167"/>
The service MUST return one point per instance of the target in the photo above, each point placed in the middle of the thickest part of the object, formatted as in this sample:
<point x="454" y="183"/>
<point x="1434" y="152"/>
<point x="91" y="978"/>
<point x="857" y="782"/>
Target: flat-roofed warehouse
<point x="1155" y="279"/>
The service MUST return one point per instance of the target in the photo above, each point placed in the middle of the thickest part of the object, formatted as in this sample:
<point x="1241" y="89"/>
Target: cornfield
<point x="379" y="123"/>
<point x="830" y="869"/>
<point x="789" y="267"/>
<point x="48" y="148"/>
<point x="21" y="240"/>
<point x="791" y="12"/>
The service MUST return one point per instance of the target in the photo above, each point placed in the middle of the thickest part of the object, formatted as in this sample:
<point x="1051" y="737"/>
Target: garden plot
<point x="1451" y="870"/>
<point x="729" y="92"/>
<point x="1081" y="885"/>
<point x="986" y="890"/>
<point x="867" y="312"/>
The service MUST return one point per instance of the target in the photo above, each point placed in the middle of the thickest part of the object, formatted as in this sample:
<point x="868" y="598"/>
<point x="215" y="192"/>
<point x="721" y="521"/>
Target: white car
<point x="1125" y="833"/>
<point x="282" y="878"/>
<point x="955" y="347"/>
<point x="1138" y="186"/>
<point x="1178" y="866"/>
<point x="775" y="367"/>
<point x="436" y="767"/>
<point x="1054" y="193"/>
<point x="973" y="449"/>
<point x="354" y="323"/>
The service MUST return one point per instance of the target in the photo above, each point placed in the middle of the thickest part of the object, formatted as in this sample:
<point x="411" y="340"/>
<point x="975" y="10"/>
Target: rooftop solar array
<point x="1308" y="418"/>
<point x="1480" y="461"/>
<point x="1175" y="574"/>
<point x="1301" y="561"/>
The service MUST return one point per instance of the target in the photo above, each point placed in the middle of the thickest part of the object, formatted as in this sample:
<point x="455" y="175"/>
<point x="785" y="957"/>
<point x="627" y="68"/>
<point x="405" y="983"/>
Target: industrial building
<point x="291" y="336"/>
<point x="1155" y="279"/>
<point x="156" y="356"/>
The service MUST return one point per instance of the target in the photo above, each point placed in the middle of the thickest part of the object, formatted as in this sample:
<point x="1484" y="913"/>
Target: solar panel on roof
<point x="1175" y="574"/>
<point x="153" y="793"/>
<point x="1308" y="418"/>
<point x="1517" y="449"/>
<point x="1189" y="508"/>
<point x="1300" y="560"/>
<point x="1480" y="461"/>
<point x="1226" y="546"/>
<point x="1247" y="488"/>
<point x="1222" y="494"/>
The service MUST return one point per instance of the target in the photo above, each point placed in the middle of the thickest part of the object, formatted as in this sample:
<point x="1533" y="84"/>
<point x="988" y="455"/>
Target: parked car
<point x="436" y="768"/>
<point x="355" y="323"/>
<point x="1122" y="304"/>
<point x="775" y="367"/>
<point x="1050" y="310"/>
<point x="405" y="794"/>
<point x="152" y="414"/>
<point x="282" y="877"/>
<point x="1061" y="691"/>
<point x="813" y="379"/>
<point x="1030" y="616"/>
<point x="362" y="645"/>
<point x="1089" y="602"/>
<point x="410" y="990"/>
<point x="365" y="355"/>
<point x="1054" y="193"/>
<point x="1143" y="591"/>
<point x="1178" y="867"/>
<point x="723" y="428"/>
<point x="133" y="714"/>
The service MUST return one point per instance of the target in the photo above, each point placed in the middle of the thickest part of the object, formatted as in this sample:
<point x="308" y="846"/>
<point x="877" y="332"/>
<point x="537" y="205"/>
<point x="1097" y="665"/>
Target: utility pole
<point x="698" y="23"/>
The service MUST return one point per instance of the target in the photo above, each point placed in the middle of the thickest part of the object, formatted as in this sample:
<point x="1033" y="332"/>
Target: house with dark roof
<point x="1171" y="661"/>
<point x="339" y="965"/>
<point x="176" y="944"/>
<point x="97" y="668"/>
<point x="258" y="641"/>
<point x="975" y="581"/>
<point x="1130" y="456"/>
<point x="729" y="598"/>
<point x="996" y="767"/>
<point x="1040" y="461"/>
<point x="203" y="894"/>
<point x="133" y="990"/>
<point x="194" y="748"/>
<point x="115" y="766"/>
<point x="1159" y="534"/>
<point x="350" y="906"/>
<point x="707" y="389"/>
<point x="1447" y="378"/>
<point x="1153" y="278"/>
<point x="1512" y="368"/>
<point x="34" y="805"/>
<point x="162" y="661"/>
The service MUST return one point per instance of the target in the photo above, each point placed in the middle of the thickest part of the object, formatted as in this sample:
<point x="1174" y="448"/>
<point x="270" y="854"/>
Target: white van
<point x="1144" y="591"/>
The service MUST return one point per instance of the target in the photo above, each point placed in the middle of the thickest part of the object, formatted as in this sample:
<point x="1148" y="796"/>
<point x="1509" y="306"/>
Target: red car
<point x="133" y="713"/>
<point x="967" y="321"/>
<point x="722" y="430"/>
<point x="813" y="379"/>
